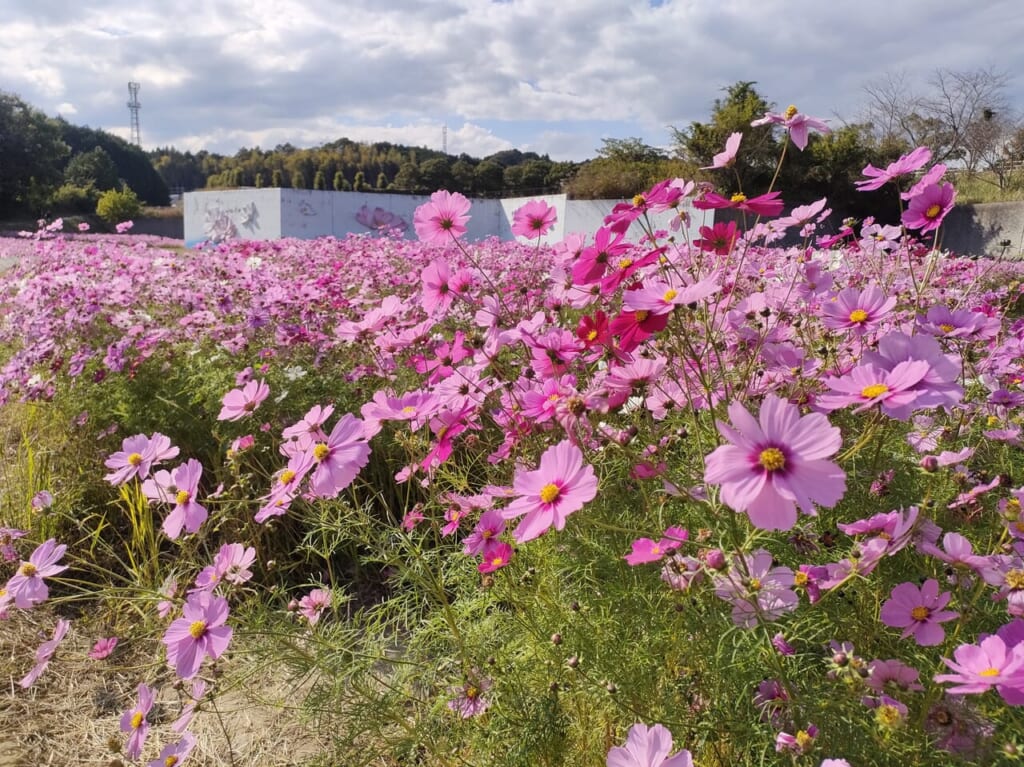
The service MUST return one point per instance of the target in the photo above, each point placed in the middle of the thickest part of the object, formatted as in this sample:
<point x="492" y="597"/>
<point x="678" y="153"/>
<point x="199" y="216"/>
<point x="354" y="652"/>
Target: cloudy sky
<point x="551" y="76"/>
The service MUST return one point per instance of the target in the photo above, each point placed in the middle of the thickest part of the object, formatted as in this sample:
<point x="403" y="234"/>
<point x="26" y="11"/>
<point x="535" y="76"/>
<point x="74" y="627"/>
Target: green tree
<point x="93" y="168"/>
<point x="277" y="178"/>
<point x="320" y="181"/>
<point x="382" y="181"/>
<point x="117" y="205"/>
<point x="359" y="183"/>
<point x="408" y="177"/>
<point x="298" y="180"/>
<point x="32" y="154"/>
<point x="339" y="181"/>
<point x="258" y="181"/>
<point x="759" y="151"/>
<point x="435" y="174"/>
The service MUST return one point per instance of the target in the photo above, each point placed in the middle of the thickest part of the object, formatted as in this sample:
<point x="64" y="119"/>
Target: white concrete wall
<point x="267" y="214"/>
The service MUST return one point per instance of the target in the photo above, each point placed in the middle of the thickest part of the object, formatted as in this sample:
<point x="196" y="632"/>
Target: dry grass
<point x="72" y="714"/>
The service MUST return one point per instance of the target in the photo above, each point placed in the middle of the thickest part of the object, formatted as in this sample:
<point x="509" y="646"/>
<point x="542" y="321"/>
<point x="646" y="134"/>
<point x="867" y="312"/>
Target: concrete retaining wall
<point x="980" y="230"/>
<point x="267" y="214"/>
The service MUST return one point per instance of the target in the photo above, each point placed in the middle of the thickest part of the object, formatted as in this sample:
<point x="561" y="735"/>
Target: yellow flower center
<point x="790" y="112"/>
<point x="888" y="716"/>
<point x="772" y="459"/>
<point x="27" y="569"/>
<point x="135" y="459"/>
<point x="933" y="211"/>
<point x="669" y="295"/>
<point x="287" y="476"/>
<point x="592" y="335"/>
<point x="408" y="410"/>
<point x="858" y="315"/>
<point x="875" y="390"/>
<point x="197" y="629"/>
<point x="638" y="200"/>
<point x="738" y="198"/>
<point x="755" y="584"/>
<point x="550" y="492"/>
<point x="182" y="497"/>
<point x="625" y="263"/>
<point x="498" y="561"/>
<point x="1013" y="508"/>
<point x="472" y="692"/>
<point x="946" y="327"/>
<point x="137" y="719"/>
<point x="920" y="613"/>
<point x="170" y="761"/>
<point x="800" y="578"/>
<point x="804" y="740"/>
<point x="321" y="451"/>
<point x="989" y="672"/>
<point x="641" y="315"/>
<point x="1015" y="579"/>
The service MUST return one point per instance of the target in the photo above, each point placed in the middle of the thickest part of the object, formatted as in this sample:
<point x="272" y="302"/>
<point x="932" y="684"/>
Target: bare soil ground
<point x="72" y="714"/>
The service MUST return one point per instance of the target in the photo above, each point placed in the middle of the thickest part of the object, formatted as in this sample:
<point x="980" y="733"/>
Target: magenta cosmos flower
<point x="27" y="587"/>
<point x="444" y="216"/>
<point x="239" y="403"/>
<point x="926" y="211"/>
<point x="534" y="219"/>
<point x="918" y="611"/>
<point x="867" y="385"/>
<point x="179" y="487"/>
<point x="773" y="465"/>
<point x="560" y="486"/>
<point x="200" y="632"/>
<point x="648" y="747"/>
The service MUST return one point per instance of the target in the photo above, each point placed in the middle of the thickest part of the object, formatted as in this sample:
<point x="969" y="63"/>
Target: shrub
<point x="115" y="206"/>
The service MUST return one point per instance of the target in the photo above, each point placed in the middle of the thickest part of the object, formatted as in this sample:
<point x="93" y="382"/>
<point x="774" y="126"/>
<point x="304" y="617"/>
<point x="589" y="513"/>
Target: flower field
<point x="621" y="500"/>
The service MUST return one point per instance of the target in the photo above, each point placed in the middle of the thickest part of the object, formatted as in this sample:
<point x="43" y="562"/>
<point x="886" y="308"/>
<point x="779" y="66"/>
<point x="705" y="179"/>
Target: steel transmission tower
<point x="133" y="108"/>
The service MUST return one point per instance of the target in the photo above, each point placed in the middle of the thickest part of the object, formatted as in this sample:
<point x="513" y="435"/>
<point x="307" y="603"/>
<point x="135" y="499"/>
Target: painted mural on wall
<point x="380" y="220"/>
<point x="225" y="223"/>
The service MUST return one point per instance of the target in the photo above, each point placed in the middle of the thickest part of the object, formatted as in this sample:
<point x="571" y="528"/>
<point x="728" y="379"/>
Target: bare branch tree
<point x="967" y="104"/>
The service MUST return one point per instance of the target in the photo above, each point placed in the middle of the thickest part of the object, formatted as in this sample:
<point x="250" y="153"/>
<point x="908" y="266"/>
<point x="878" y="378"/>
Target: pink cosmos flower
<point x="174" y="753"/>
<point x="594" y="260"/>
<point x="728" y="157"/>
<point x="857" y="310"/>
<point x="239" y="403"/>
<point x="180" y="488"/>
<point x="311" y="428"/>
<point x="892" y="672"/>
<point x="561" y="485"/>
<point x="200" y="632"/>
<point x="866" y="386"/>
<point x="648" y="747"/>
<point x="188" y="711"/>
<point x="718" y="238"/>
<point x="918" y="611"/>
<point x="534" y="219"/>
<point x="340" y="458"/>
<point x="7" y="537"/>
<point x="133" y="721"/>
<point x="313" y="604"/>
<point x="990" y="663"/>
<point x="231" y="564"/>
<point x="495" y="557"/>
<point x="485" y="535"/>
<point x="908" y="163"/>
<point x="26" y="587"/>
<point x="797" y="744"/>
<point x="646" y="550"/>
<point x="757" y="590"/>
<point x="943" y="322"/>
<point x="444" y="217"/>
<point x="796" y="123"/>
<point x="469" y="700"/>
<point x="771" y="466"/>
<point x="939" y="388"/>
<point x="45" y="652"/>
<point x="137" y="455"/>
<point x="926" y="211"/>
<point x="103" y="648"/>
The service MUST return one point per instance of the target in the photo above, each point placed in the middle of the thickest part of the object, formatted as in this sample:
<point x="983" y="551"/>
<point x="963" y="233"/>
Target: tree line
<point x="50" y="165"/>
